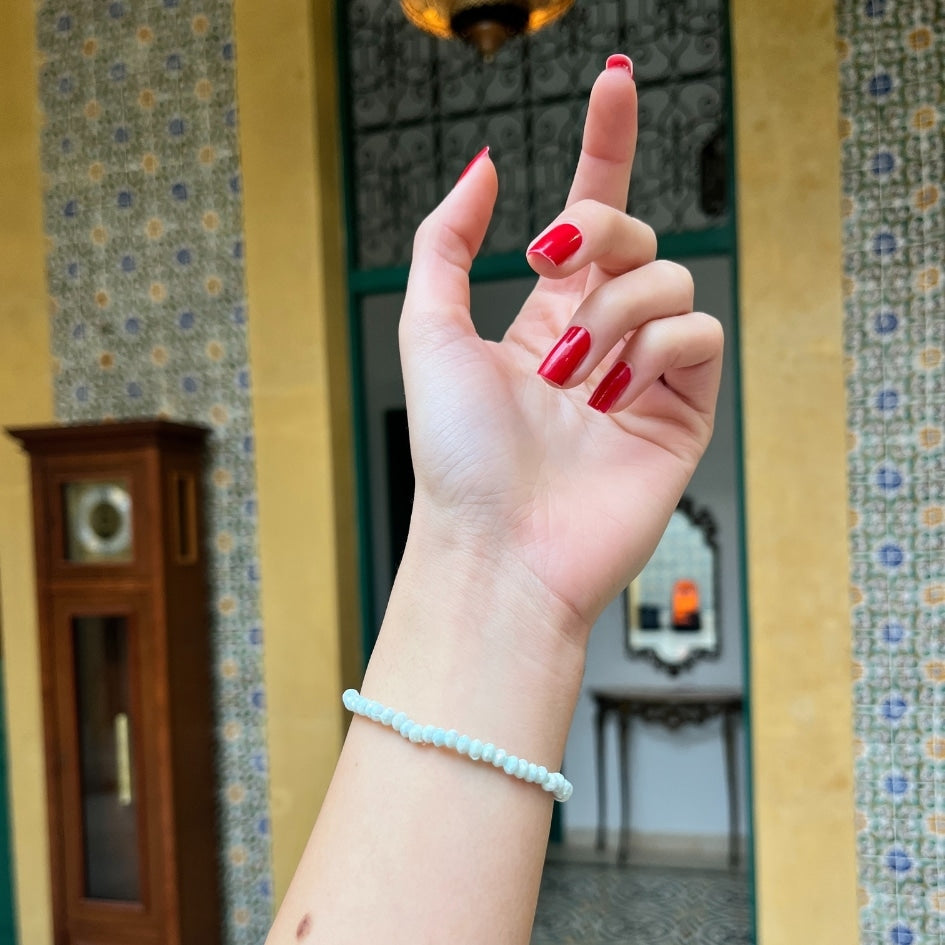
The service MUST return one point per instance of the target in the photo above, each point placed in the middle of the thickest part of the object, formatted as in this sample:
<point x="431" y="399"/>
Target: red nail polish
<point x="566" y="355"/>
<point x="620" y="61"/>
<point x="611" y="387"/>
<point x="558" y="244"/>
<point x="468" y="167"/>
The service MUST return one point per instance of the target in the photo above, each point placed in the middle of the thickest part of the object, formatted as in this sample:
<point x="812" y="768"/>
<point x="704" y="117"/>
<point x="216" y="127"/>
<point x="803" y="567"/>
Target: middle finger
<point x="591" y="232"/>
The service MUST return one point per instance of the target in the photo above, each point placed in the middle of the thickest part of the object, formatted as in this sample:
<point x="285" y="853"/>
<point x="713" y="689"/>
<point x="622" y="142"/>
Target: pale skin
<point x="531" y="511"/>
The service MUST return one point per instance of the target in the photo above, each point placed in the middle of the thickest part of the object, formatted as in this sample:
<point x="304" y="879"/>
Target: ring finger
<point x="611" y="313"/>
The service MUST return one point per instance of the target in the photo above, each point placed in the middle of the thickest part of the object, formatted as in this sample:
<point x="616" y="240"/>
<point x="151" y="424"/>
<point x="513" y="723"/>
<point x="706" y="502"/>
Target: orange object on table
<point x="686" y="604"/>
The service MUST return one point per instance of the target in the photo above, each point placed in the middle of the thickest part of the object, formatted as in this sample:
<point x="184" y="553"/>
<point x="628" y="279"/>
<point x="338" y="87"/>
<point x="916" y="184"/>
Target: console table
<point x="672" y="708"/>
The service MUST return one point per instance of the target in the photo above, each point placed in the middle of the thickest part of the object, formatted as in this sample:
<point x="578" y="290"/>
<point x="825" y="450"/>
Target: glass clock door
<point x="106" y="763"/>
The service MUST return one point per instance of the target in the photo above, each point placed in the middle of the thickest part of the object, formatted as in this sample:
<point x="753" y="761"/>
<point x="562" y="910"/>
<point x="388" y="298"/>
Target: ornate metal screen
<point x="420" y="108"/>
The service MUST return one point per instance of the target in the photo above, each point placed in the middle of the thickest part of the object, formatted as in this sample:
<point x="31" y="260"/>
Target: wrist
<point x="475" y="643"/>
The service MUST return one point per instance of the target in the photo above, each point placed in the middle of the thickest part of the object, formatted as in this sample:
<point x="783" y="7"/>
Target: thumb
<point x="436" y="306"/>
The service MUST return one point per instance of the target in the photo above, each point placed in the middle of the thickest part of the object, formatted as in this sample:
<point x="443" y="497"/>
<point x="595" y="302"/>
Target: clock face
<point x="98" y="521"/>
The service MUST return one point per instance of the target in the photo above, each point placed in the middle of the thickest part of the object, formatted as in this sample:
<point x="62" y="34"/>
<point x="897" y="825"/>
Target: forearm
<point x="416" y="844"/>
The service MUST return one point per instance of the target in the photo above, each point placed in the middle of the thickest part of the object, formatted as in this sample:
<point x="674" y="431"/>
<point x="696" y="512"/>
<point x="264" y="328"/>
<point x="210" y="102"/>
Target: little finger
<point x="683" y="353"/>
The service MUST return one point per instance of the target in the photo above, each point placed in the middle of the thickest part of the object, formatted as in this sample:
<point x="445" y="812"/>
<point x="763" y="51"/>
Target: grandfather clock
<point x="125" y="655"/>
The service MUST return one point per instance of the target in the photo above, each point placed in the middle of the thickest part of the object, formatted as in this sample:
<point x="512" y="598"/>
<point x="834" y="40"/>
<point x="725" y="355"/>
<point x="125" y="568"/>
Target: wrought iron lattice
<point x="419" y="108"/>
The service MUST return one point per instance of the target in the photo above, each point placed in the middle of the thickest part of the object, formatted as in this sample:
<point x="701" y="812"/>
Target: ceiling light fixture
<point x="484" y="24"/>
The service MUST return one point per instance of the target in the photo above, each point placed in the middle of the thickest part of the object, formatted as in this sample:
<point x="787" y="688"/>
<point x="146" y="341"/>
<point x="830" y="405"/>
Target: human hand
<point x="522" y="472"/>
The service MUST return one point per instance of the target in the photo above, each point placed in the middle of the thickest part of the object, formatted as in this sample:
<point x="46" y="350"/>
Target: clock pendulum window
<point x="125" y="658"/>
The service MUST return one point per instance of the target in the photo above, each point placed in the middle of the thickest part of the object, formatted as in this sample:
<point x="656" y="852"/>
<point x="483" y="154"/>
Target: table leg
<point x="729" y="721"/>
<point x="623" y="851"/>
<point x="601" y="782"/>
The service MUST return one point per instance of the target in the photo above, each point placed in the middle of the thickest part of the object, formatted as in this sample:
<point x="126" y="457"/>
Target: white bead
<point x="498" y="759"/>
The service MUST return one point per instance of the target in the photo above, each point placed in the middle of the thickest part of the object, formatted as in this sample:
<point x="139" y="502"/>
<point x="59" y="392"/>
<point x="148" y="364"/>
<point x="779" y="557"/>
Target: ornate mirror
<point x="672" y="608"/>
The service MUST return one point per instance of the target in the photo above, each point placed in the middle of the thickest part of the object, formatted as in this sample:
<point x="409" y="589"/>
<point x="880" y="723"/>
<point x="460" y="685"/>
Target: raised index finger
<point x="610" y="138"/>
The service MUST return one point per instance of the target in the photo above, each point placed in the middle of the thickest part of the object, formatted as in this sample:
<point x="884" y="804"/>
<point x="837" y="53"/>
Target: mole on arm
<point x="304" y="927"/>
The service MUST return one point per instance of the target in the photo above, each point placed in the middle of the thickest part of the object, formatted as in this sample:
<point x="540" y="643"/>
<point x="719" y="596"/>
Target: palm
<point x="583" y="497"/>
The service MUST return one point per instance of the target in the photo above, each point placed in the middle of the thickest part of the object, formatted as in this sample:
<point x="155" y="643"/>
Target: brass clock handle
<point x="123" y="760"/>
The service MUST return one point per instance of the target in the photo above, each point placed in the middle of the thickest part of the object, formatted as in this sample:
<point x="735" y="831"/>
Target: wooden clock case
<point x="127" y="691"/>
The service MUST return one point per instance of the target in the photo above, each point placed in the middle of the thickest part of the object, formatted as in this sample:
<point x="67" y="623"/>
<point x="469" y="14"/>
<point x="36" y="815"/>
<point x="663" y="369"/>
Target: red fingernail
<point x="566" y="355"/>
<point x="611" y="387"/>
<point x="620" y="61"/>
<point x="558" y="244"/>
<point x="468" y="167"/>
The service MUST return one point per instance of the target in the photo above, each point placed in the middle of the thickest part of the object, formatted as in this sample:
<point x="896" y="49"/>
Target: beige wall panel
<point x="791" y="310"/>
<point x="298" y="335"/>
<point x="25" y="397"/>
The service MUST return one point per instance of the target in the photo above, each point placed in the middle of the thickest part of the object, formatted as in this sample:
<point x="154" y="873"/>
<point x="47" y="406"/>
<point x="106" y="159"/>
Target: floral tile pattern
<point x="145" y="274"/>
<point x="892" y="58"/>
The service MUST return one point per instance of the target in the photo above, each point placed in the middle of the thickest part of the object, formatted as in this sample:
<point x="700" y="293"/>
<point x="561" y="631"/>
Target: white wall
<point x="677" y="778"/>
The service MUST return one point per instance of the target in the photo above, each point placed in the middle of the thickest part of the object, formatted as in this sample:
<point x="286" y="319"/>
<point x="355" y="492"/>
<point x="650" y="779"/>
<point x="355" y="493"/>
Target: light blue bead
<point x="349" y="697"/>
<point x="551" y="784"/>
<point x="511" y="764"/>
<point x="521" y="769"/>
<point x="488" y="752"/>
<point x="449" y="740"/>
<point x="542" y="775"/>
<point x="565" y="791"/>
<point x="376" y="711"/>
<point x="462" y="744"/>
<point x="499" y="758"/>
<point x="439" y="737"/>
<point x="398" y="720"/>
<point x="531" y="773"/>
<point x="387" y="715"/>
<point x="406" y="726"/>
<point x="428" y="731"/>
<point x="475" y="749"/>
<point x="416" y="733"/>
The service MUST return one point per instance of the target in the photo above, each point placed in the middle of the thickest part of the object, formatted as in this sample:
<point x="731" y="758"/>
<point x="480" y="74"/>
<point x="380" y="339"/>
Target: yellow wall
<point x="299" y="357"/>
<point x="791" y="310"/>
<point x="25" y="397"/>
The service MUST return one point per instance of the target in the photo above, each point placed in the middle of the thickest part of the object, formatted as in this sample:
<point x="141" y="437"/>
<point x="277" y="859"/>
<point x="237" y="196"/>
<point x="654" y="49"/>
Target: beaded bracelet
<point x="554" y="782"/>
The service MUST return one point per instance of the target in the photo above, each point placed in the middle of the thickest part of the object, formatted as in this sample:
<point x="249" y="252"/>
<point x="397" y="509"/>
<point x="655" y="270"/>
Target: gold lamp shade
<point x="485" y="24"/>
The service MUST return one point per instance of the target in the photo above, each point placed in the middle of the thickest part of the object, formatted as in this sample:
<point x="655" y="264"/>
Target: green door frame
<point x="7" y="910"/>
<point x="362" y="283"/>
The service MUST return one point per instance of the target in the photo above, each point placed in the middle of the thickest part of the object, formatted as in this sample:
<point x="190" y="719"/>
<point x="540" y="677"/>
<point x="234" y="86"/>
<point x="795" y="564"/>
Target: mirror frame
<point x="705" y="522"/>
